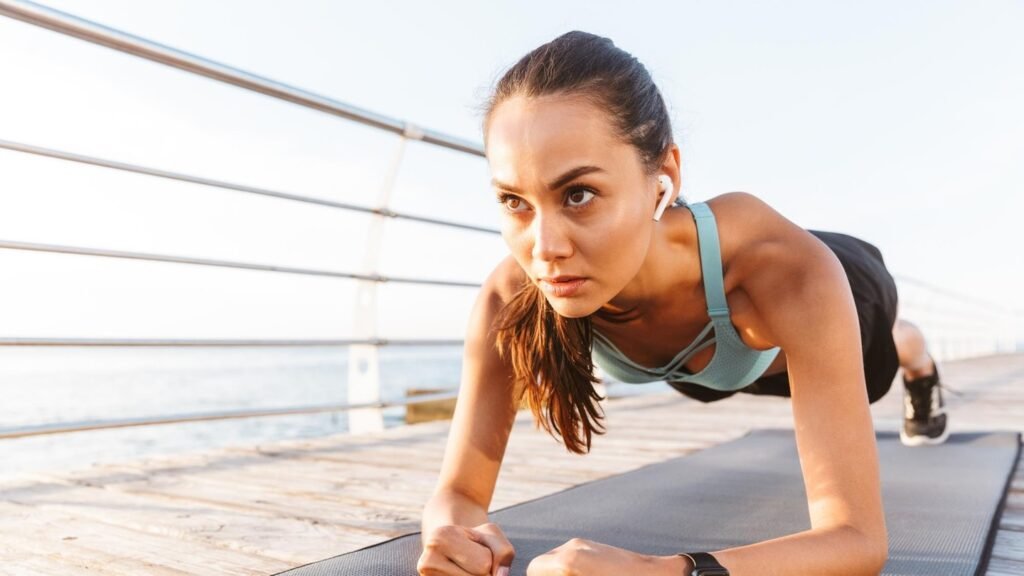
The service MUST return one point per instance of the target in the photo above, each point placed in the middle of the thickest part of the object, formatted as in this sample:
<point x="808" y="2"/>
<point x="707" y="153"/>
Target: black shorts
<point x="874" y="295"/>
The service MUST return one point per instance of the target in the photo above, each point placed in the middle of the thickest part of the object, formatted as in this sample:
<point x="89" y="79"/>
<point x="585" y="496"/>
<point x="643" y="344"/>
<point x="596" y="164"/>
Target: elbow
<point x="880" y="545"/>
<point x="878" y="559"/>
<point x="874" y="546"/>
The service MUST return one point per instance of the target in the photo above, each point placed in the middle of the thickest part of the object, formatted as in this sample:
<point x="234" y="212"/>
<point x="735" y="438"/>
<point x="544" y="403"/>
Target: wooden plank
<point x="75" y="544"/>
<point x="328" y="506"/>
<point x="296" y="501"/>
<point x="281" y="538"/>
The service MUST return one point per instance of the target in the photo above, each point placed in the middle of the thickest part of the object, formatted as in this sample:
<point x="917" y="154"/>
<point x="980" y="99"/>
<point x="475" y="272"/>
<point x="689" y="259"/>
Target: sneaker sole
<point x="923" y="440"/>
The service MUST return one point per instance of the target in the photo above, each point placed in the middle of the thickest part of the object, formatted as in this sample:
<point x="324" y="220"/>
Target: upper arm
<point x="485" y="409"/>
<point x="804" y="300"/>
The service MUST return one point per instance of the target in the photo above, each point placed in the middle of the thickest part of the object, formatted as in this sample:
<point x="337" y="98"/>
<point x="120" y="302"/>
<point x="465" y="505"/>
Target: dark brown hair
<point x="550" y="353"/>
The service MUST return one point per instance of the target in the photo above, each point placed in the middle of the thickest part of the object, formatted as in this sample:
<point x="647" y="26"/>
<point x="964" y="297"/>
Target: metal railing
<point x="65" y="427"/>
<point x="149" y="171"/>
<point x="84" y="251"/>
<point x="64" y="23"/>
<point x="959" y="325"/>
<point x="364" y="402"/>
<point x="223" y="342"/>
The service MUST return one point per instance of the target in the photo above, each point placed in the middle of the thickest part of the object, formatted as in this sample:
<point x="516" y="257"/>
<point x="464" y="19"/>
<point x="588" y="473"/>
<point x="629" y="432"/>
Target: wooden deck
<point x="262" y="509"/>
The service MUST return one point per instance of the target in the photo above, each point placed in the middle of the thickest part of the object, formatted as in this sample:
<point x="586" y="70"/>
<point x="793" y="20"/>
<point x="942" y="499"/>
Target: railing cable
<point x="178" y="176"/>
<point x="78" y="250"/>
<point x="89" y="31"/>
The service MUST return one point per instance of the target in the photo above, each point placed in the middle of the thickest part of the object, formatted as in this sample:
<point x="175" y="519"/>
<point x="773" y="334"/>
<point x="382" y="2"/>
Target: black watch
<point x="704" y="564"/>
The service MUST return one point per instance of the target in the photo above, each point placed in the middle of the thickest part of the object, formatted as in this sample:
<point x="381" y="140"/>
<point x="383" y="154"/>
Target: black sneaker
<point x="924" y="411"/>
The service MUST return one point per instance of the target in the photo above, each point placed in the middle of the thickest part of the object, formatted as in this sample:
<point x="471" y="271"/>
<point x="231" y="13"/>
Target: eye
<point x="577" y="197"/>
<point x="510" y="203"/>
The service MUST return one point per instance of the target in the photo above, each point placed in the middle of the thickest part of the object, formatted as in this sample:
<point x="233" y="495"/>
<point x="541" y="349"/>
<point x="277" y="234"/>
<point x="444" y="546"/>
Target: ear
<point x="671" y="166"/>
<point x="667" y="193"/>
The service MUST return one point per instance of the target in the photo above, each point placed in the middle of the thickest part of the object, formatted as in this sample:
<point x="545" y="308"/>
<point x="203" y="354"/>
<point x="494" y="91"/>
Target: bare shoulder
<point x="505" y="280"/>
<point x="743" y="216"/>
<point x="750" y="231"/>
<point x="498" y="289"/>
<point x="762" y="249"/>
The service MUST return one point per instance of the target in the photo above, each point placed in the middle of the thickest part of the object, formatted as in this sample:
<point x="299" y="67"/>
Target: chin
<point x="573" y="307"/>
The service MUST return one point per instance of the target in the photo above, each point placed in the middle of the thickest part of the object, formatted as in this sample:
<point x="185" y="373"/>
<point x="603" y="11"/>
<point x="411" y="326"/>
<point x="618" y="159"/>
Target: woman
<point x="722" y="296"/>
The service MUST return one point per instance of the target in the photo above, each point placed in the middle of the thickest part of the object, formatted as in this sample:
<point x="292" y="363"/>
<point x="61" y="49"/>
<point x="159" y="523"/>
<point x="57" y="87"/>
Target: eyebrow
<point x="557" y="182"/>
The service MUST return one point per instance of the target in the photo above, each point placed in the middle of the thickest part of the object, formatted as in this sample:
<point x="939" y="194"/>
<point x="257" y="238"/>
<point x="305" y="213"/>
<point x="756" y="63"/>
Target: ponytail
<point x="552" y="367"/>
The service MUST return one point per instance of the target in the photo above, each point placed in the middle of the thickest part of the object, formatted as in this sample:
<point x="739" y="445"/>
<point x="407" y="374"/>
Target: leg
<point x="912" y="350"/>
<point x="924" y="415"/>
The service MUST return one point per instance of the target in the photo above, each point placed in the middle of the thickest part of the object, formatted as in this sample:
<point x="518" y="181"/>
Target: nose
<point x="550" y="238"/>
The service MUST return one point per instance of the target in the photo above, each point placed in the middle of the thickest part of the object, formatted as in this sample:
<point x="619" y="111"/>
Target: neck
<point x="670" y="268"/>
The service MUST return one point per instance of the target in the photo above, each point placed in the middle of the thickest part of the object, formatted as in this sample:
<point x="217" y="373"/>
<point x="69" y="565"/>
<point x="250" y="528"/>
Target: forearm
<point x="447" y="507"/>
<point x="840" y="551"/>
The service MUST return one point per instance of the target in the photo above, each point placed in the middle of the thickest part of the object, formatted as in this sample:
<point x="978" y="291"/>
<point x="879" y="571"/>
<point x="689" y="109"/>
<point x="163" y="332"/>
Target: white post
<point x="363" y="359"/>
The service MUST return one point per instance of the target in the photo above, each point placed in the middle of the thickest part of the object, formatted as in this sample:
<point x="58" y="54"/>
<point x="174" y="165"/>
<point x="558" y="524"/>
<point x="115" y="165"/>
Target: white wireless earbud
<point x="666" y="187"/>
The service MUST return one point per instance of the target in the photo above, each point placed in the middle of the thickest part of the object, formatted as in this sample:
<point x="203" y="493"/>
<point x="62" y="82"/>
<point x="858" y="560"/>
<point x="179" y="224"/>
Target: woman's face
<point x="575" y="201"/>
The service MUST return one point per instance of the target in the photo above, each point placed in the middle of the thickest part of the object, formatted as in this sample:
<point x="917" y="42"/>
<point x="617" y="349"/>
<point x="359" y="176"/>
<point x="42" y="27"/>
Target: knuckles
<point x="451" y="543"/>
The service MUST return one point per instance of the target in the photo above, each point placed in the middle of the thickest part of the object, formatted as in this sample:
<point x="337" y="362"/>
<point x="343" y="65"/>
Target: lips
<point x="554" y="279"/>
<point x="561" y="286"/>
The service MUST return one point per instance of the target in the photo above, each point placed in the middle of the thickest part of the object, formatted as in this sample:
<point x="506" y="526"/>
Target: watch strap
<point x="704" y="564"/>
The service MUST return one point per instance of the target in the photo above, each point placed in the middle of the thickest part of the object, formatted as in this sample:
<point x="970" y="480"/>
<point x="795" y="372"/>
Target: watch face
<point x="711" y="572"/>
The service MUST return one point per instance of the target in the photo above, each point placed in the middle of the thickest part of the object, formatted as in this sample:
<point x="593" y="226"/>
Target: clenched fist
<point x="452" y="550"/>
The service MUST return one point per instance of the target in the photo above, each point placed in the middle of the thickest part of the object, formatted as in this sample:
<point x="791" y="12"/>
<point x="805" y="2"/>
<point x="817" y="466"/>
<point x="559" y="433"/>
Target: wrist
<point x="449" y="508"/>
<point x="674" y="565"/>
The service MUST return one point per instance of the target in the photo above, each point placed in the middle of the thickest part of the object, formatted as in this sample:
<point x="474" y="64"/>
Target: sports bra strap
<point x="710" y="260"/>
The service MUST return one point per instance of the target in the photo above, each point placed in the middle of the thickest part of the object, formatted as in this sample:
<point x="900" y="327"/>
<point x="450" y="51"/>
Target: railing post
<point x="364" y="359"/>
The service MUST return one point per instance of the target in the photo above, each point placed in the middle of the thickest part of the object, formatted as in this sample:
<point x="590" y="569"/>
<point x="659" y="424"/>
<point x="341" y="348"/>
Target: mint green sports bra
<point x="733" y="365"/>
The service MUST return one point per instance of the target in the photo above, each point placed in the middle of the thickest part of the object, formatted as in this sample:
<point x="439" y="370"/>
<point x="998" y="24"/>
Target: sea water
<point x="58" y="384"/>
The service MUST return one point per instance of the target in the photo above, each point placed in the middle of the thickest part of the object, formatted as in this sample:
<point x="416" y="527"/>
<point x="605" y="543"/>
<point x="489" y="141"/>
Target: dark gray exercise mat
<point x="942" y="505"/>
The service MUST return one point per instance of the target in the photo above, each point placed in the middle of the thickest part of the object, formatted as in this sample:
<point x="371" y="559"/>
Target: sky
<point x="897" y="122"/>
